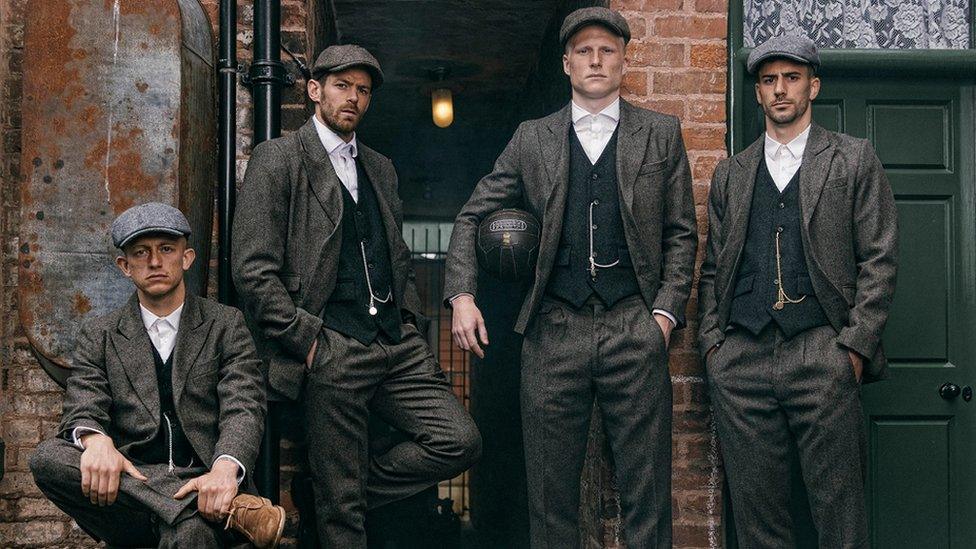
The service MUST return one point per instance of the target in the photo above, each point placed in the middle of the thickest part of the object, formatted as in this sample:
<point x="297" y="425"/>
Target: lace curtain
<point x="887" y="24"/>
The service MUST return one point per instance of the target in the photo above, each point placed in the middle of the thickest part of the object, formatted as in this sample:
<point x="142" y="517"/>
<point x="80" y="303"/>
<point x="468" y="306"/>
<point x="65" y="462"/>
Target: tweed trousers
<point x="770" y="393"/>
<point x="144" y="514"/>
<point x="616" y="356"/>
<point x="401" y="383"/>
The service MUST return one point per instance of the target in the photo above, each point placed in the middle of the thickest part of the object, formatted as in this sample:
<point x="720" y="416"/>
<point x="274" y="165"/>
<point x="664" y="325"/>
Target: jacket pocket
<point x="292" y="282"/>
<point x="652" y="167"/>
<point x="836" y="183"/>
<point x="744" y="285"/>
<point x="804" y="286"/>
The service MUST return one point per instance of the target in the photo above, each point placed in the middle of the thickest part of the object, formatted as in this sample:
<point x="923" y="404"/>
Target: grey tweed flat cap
<point x="340" y="58"/>
<point x="152" y="217"/>
<point x="797" y="48"/>
<point x="594" y="16"/>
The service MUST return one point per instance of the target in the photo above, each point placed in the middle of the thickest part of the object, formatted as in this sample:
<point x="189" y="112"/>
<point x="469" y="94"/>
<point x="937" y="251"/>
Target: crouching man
<point x="164" y="408"/>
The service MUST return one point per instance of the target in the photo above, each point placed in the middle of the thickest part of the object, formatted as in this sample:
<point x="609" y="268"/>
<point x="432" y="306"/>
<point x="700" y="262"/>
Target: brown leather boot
<point x="256" y="518"/>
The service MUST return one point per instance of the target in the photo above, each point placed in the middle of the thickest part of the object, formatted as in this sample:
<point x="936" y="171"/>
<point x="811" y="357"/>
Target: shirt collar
<point x="795" y="147"/>
<point x="611" y="111"/>
<point x="331" y="140"/>
<point x="149" y="318"/>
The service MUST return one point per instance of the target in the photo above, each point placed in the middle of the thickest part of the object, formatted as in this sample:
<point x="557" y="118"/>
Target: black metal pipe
<point x="267" y="72"/>
<point x="227" y="146"/>
<point x="266" y="77"/>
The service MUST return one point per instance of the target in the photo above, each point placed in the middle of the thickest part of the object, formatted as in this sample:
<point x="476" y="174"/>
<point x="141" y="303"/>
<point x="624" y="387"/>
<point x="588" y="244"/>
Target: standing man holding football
<point x="611" y="187"/>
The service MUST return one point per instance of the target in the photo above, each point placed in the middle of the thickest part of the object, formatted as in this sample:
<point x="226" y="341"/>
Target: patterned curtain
<point x="887" y="24"/>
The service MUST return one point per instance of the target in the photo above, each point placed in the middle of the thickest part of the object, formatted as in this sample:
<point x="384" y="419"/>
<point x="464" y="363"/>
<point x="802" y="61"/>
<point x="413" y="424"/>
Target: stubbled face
<point x="594" y="61"/>
<point x="785" y="90"/>
<point x="341" y="99"/>
<point x="156" y="264"/>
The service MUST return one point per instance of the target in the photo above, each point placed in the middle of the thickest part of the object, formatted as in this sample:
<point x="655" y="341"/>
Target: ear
<point x="314" y="90"/>
<point x="123" y="264"/>
<point x="566" y="63"/>
<point x="758" y="95"/>
<point x="814" y="88"/>
<point x="189" y="255"/>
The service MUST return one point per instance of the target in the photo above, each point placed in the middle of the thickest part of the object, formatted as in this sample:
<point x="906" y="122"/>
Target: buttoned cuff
<point x="669" y="316"/>
<point x="78" y="432"/>
<point x="241" y="471"/>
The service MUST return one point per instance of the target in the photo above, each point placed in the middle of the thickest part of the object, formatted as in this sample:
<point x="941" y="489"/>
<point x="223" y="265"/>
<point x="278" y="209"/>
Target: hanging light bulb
<point x="442" y="107"/>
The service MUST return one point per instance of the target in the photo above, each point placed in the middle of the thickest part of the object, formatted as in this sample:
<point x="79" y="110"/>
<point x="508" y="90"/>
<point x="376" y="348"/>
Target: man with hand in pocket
<point x="793" y="297"/>
<point x="611" y="185"/>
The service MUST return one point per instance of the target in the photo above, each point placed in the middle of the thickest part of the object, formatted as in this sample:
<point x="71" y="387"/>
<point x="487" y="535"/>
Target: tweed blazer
<point x="849" y="232"/>
<point x="286" y="243"/>
<point x="218" y="390"/>
<point x="656" y="204"/>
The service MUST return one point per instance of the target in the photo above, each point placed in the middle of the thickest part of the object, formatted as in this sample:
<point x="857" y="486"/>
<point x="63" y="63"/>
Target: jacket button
<point x="371" y="265"/>
<point x="781" y="205"/>
<point x="595" y="177"/>
<point x="596" y="202"/>
<point x="594" y="226"/>
<point x="779" y="229"/>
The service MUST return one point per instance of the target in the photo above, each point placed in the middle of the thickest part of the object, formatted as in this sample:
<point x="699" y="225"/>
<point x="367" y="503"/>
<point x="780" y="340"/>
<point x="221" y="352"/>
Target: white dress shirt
<point x="162" y="329"/>
<point x="343" y="156"/>
<point x="783" y="160"/>
<point x="162" y="332"/>
<point x="595" y="130"/>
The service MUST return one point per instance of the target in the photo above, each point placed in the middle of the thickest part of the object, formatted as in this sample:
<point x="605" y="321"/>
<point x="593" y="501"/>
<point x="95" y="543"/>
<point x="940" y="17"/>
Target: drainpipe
<point x="266" y="77"/>
<point x="227" y="146"/>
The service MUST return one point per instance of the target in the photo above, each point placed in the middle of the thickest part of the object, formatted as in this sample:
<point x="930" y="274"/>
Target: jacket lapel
<point x="554" y="147"/>
<point x="321" y="174"/>
<point x="742" y="182"/>
<point x="631" y="147"/>
<point x="814" y="170"/>
<point x="190" y="338"/>
<point x="134" y="349"/>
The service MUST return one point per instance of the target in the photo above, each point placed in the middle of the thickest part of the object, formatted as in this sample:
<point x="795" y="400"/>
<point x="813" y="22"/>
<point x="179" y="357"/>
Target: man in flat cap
<point x="610" y="183"/>
<point x="794" y="294"/>
<point x="164" y="408"/>
<point x="327" y="285"/>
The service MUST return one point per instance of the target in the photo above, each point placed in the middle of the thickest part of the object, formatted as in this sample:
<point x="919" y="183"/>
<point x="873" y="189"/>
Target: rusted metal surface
<point x="118" y="109"/>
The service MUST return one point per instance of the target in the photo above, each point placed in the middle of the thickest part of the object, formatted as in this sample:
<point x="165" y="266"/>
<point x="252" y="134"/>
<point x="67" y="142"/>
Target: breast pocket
<point x="651" y="168"/>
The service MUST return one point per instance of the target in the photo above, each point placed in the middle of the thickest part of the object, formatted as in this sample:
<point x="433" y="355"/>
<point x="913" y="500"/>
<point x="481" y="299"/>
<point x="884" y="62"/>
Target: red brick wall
<point x="677" y="64"/>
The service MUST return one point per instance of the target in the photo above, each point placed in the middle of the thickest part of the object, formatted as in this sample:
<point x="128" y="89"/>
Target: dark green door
<point x="922" y="444"/>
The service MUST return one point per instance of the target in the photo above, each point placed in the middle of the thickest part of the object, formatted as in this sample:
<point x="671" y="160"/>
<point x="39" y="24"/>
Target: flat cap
<point x="797" y="48"/>
<point x="151" y="217"/>
<point x="340" y="58"/>
<point x="594" y="16"/>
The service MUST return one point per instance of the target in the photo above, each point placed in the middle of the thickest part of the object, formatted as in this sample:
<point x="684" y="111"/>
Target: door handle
<point x="949" y="391"/>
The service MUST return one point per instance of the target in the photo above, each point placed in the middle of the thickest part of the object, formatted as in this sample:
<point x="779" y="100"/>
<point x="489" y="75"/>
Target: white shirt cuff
<point x="241" y="471"/>
<point x="78" y="432"/>
<point x="669" y="316"/>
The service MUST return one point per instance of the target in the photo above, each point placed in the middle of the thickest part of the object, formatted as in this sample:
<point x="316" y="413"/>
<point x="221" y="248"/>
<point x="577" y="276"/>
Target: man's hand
<point x="666" y="327"/>
<point x="215" y="490"/>
<point x="101" y="467"/>
<point x="468" y="325"/>
<point x="311" y="354"/>
<point x="857" y="361"/>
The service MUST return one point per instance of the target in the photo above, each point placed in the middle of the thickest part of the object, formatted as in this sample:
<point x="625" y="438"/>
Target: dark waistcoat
<point x="157" y="450"/>
<point x="595" y="184"/>
<point x="773" y="213"/>
<point x="347" y="310"/>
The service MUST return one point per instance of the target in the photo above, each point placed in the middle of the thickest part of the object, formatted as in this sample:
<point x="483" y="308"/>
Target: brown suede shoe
<point x="256" y="518"/>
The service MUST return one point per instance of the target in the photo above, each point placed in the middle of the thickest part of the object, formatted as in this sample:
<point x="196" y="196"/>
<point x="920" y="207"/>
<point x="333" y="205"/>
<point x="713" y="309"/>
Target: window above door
<point x="861" y="24"/>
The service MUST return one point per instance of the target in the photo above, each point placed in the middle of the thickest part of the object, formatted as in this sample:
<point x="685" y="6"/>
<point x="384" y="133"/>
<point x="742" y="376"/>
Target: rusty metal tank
<point x="118" y="109"/>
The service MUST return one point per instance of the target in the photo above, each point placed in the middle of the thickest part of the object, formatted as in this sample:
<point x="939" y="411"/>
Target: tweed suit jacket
<point x="849" y="232"/>
<point x="286" y="243"/>
<point x="218" y="390"/>
<point x="656" y="204"/>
